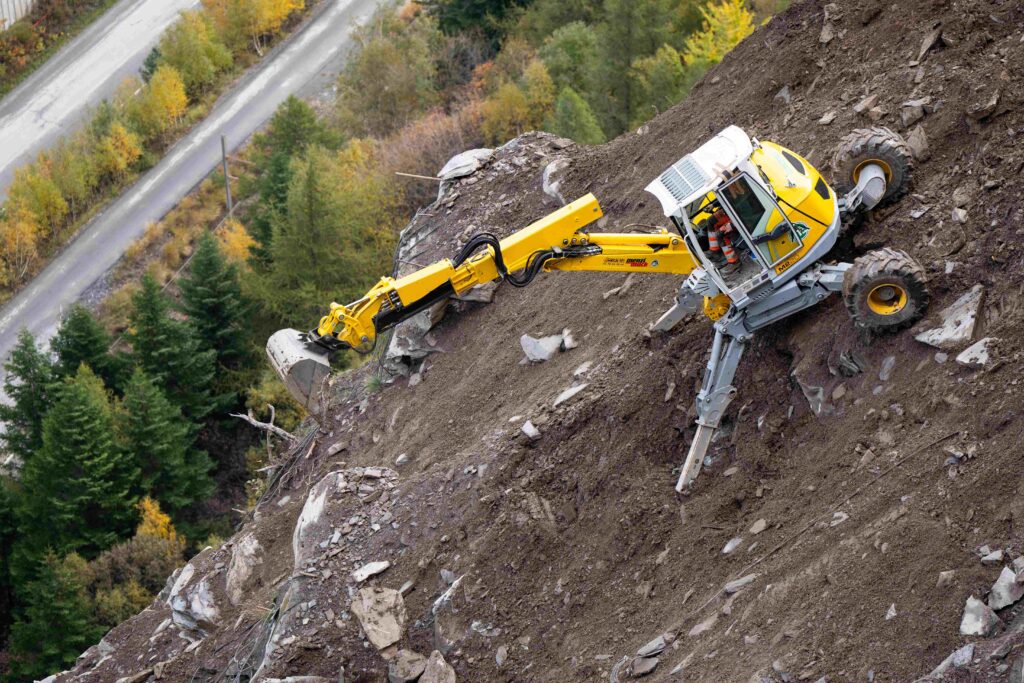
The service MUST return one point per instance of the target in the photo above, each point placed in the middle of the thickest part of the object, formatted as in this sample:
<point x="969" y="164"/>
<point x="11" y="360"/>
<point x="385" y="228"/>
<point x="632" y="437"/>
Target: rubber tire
<point x="879" y="267"/>
<point x="867" y="144"/>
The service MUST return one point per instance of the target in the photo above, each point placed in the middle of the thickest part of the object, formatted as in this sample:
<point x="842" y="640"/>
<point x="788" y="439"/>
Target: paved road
<point x="300" y="63"/>
<point x="57" y="97"/>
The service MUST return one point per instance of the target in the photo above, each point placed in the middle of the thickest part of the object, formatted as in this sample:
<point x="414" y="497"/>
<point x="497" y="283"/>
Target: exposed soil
<point x="574" y="550"/>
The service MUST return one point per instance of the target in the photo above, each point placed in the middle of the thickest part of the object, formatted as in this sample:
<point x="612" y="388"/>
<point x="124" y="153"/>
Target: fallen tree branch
<point x="267" y="426"/>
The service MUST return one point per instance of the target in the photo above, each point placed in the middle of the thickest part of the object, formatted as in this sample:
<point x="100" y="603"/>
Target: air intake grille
<point x="683" y="178"/>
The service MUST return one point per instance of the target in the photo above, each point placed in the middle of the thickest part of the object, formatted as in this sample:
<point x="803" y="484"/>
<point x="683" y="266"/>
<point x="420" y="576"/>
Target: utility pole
<point x="227" y="178"/>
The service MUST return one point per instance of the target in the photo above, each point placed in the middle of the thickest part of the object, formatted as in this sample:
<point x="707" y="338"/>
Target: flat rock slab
<point x="976" y="355"/>
<point x="740" y="583"/>
<point x="369" y="569"/>
<point x="381" y="613"/>
<point x="465" y="163"/>
<point x="568" y="394"/>
<point x="957" y="322"/>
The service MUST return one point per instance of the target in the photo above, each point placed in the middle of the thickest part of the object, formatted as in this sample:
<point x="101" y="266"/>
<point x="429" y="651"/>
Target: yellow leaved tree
<point x="19" y="239"/>
<point x="117" y="151"/>
<point x="155" y="523"/>
<point x="235" y="241"/>
<point x="726" y="23"/>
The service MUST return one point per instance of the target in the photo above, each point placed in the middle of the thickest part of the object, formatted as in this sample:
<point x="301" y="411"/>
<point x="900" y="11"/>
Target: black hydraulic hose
<point x="533" y="264"/>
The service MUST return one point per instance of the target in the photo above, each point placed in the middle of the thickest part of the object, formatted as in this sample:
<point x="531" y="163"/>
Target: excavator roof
<point x="701" y="171"/>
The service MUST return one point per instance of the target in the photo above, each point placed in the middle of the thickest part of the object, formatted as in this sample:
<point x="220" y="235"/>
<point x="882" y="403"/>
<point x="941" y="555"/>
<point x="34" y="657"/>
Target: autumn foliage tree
<point x="726" y="23"/>
<point x="19" y="240"/>
<point x="161" y="102"/>
<point x="192" y="47"/>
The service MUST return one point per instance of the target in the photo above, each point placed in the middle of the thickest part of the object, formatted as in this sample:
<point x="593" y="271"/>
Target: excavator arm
<point x="559" y="241"/>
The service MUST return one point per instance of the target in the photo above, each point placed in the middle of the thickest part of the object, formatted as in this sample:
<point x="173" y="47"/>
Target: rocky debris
<point x="977" y="354"/>
<point x="410" y="340"/>
<point x="370" y="569"/>
<point x="704" y="626"/>
<point x="437" y="670"/>
<point x="958" y="658"/>
<point x="402" y="459"/>
<point x="381" y="614"/>
<point x="544" y="348"/>
<point x="932" y="39"/>
<point x="784" y="95"/>
<point x="888" y="365"/>
<point x="309" y="530"/>
<point x="978" y="619"/>
<point x="568" y="394"/>
<point x="732" y="545"/>
<point x="959" y="215"/>
<point x="957" y="321"/>
<point x="406" y="667"/>
<point x="739" y="584"/>
<point x="891" y="614"/>
<point x="1006" y="590"/>
<point x="532" y="433"/>
<point x="465" y="163"/>
<point x="298" y="679"/>
<point x="501" y="655"/>
<point x="194" y="607"/>
<point x="827" y="118"/>
<point x="913" y="111"/>
<point x="246" y="553"/>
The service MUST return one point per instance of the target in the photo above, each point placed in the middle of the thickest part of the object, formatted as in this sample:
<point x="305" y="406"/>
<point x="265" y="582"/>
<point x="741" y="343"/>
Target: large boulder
<point x="245" y="555"/>
<point x="192" y="600"/>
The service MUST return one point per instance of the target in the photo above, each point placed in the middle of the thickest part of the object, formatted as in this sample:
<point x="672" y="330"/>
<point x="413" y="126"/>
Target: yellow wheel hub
<point x="887" y="299"/>
<point x="885" y="169"/>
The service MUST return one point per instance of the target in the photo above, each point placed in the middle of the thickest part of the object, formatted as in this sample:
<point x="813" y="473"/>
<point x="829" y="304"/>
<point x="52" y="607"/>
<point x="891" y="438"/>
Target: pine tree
<point x="726" y="23"/>
<point x="294" y="127"/>
<point x="8" y="533"/>
<point x="273" y="195"/>
<point x="56" y="625"/>
<point x="77" y="490"/>
<point x="150" y="64"/>
<point x="212" y="299"/>
<point x="631" y="30"/>
<point x="574" y="119"/>
<point x="28" y="387"/>
<point x="159" y="441"/>
<point x="171" y="353"/>
<point x="81" y="339"/>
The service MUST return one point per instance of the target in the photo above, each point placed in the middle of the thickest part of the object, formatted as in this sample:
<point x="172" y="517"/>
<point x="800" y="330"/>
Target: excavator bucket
<point x="301" y="365"/>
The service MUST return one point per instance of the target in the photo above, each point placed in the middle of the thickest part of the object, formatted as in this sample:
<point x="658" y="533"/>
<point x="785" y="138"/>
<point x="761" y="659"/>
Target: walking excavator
<point x="753" y="224"/>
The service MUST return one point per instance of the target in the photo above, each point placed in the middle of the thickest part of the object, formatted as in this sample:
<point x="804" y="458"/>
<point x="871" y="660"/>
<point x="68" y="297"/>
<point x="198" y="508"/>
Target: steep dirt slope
<point x="570" y="552"/>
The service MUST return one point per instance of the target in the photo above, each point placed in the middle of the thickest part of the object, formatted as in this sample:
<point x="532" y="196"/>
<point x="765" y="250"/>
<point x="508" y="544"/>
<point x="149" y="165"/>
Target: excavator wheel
<point x="885" y="291"/>
<point x="877" y="145"/>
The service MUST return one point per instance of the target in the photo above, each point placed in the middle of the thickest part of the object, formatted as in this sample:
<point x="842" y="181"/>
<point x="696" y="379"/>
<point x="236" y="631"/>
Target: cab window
<point x="770" y="231"/>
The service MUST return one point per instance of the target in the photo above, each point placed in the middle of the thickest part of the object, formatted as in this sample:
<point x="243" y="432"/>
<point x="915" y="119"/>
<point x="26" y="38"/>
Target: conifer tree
<point x="171" y="353"/>
<point x="631" y="30"/>
<point x="212" y="299"/>
<point x="28" y="386"/>
<point x="8" y="533"/>
<point x="77" y="490"/>
<point x="159" y="442"/>
<point x="81" y="339"/>
<point x="56" y="625"/>
<point x="574" y="119"/>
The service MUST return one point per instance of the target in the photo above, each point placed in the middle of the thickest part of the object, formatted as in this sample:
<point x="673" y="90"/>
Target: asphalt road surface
<point x="57" y="97"/>
<point x="296" y="65"/>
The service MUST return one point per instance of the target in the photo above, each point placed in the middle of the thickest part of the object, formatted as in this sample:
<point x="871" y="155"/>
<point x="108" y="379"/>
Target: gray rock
<point x="402" y="459"/>
<point x="917" y="140"/>
<point x="978" y="619"/>
<point x="977" y="354"/>
<point x="568" y="394"/>
<point x="448" y="576"/>
<point x="864" y="105"/>
<point x="381" y="614"/>
<point x="299" y="679"/>
<point x="888" y="365"/>
<point x="407" y="666"/>
<point x="957" y="321"/>
<point x="551" y="179"/>
<point x="1006" y="590"/>
<point x="369" y="569"/>
<point x="245" y="555"/>
<point x="739" y="584"/>
<point x="946" y="579"/>
<point x="759" y="526"/>
<point x="959" y="215"/>
<point x="1017" y="671"/>
<point x="192" y="602"/>
<point x="465" y="163"/>
<point x="731" y="545"/>
<point x="530" y="430"/>
<point x="982" y="110"/>
<point x="827" y="118"/>
<point x="501" y="655"/>
<point x="437" y="670"/>
<point x="642" y="666"/>
<point x="655" y="647"/>
<point x="784" y="95"/>
<point x="540" y="350"/>
<point x="913" y="111"/>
